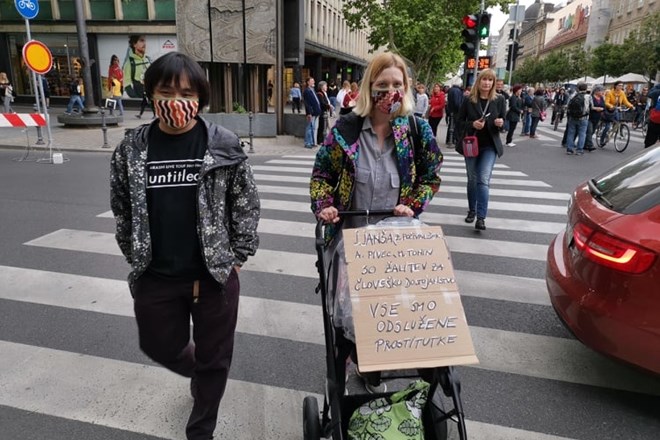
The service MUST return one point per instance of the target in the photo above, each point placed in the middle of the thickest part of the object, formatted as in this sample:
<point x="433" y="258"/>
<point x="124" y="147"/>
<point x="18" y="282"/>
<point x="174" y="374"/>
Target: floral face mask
<point x="176" y="113"/>
<point x="387" y="101"/>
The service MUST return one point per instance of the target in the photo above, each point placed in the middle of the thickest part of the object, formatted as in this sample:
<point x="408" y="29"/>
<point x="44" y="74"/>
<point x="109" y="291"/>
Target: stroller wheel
<point x="311" y="420"/>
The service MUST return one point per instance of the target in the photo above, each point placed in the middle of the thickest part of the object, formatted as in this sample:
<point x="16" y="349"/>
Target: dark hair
<point x="582" y="86"/>
<point x="113" y="58"/>
<point x="132" y="39"/>
<point x="616" y="83"/>
<point x="170" y="68"/>
<point x="516" y="88"/>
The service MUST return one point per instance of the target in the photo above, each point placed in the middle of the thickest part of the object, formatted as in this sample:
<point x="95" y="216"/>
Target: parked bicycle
<point x="619" y="131"/>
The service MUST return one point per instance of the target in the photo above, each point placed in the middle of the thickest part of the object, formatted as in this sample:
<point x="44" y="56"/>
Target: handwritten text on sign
<point x="406" y="306"/>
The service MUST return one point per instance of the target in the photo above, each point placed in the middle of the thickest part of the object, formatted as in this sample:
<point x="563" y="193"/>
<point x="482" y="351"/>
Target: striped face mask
<point x="176" y="113"/>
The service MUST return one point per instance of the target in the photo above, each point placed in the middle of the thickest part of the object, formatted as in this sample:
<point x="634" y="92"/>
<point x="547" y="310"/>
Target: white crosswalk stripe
<point x="252" y="410"/>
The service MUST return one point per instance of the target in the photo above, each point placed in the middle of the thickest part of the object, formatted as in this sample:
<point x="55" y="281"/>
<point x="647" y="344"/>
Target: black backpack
<point x="576" y="106"/>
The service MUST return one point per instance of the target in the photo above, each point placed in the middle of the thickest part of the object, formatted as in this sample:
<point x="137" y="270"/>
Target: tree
<point x="427" y="33"/>
<point x="642" y="48"/>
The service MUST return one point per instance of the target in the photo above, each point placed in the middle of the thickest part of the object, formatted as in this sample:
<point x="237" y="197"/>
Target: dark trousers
<point x="652" y="134"/>
<point x="295" y="105"/>
<point x="162" y="309"/>
<point x="434" y="122"/>
<point x="535" y="123"/>
<point x="509" y="133"/>
<point x="143" y="105"/>
<point x="451" y="129"/>
<point x="320" y="133"/>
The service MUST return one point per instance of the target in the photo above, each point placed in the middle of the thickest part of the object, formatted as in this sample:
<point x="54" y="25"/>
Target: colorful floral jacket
<point x="333" y="175"/>
<point x="228" y="202"/>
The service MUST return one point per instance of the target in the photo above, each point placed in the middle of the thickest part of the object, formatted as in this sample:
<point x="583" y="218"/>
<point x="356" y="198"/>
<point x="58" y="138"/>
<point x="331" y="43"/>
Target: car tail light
<point x="612" y="252"/>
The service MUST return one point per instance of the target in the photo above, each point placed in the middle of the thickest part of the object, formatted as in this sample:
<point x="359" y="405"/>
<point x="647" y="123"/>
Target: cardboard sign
<point x="406" y="305"/>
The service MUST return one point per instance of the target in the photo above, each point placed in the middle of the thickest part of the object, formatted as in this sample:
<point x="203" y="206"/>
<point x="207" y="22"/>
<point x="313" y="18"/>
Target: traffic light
<point x="470" y="35"/>
<point x="484" y="25"/>
<point x="513" y="54"/>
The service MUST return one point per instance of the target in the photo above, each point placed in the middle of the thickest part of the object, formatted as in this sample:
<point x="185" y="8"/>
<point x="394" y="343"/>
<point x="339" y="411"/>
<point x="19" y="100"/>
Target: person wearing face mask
<point x="481" y="115"/>
<point x="186" y="208"/>
<point x="374" y="158"/>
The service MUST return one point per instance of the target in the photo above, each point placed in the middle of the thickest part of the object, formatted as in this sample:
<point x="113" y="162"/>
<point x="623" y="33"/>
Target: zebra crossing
<point x="546" y="133"/>
<point x="529" y="365"/>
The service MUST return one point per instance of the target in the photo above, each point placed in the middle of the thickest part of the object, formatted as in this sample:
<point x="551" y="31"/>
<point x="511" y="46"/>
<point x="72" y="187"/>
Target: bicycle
<point x="559" y="115"/>
<point x="619" y="131"/>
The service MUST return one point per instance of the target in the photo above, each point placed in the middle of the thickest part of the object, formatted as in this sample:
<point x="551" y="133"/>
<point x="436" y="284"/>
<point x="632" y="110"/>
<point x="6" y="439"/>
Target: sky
<point x="499" y="18"/>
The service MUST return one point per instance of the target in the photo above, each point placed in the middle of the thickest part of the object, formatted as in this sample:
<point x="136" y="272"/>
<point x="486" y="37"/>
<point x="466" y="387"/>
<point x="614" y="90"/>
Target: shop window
<point x="102" y="9"/>
<point x="165" y="10"/>
<point x="135" y="10"/>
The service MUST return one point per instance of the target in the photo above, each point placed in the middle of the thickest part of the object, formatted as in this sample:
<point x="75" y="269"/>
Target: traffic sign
<point x="27" y="8"/>
<point x="37" y="56"/>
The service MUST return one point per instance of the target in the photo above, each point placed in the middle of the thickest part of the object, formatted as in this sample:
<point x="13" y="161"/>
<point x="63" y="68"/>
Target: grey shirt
<point x="377" y="177"/>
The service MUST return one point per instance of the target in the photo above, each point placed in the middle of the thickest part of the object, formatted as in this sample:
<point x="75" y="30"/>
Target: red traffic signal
<point x="470" y="21"/>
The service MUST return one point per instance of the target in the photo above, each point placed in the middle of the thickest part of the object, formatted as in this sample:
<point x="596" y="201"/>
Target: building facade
<point x="236" y="41"/>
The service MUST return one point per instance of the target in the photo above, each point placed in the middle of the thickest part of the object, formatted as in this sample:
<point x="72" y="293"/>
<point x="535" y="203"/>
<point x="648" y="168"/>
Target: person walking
<point x="539" y="105"/>
<point x="528" y="99"/>
<point x="436" y="107"/>
<point x="146" y="102"/>
<point x="514" y="113"/>
<point x="481" y="114"/>
<point x="116" y="82"/>
<point x="312" y="112"/>
<point x="454" y="101"/>
<point x="326" y="109"/>
<point x="375" y="158"/>
<point x="75" y="91"/>
<point x="558" y="103"/>
<point x="186" y="208"/>
<point x="578" y="120"/>
<point x="422" y="101"/>
<point x="6" y="93"/>
<point x="296" y="96"/>
<point x="597" y="106"/>
<point x="653" y="130"/>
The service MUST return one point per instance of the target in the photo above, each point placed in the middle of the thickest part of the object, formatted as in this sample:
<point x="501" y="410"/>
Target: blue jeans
<point x="75" y="99"/>
<point x="606" y="127"/>
<point x="527" y="122"/>
<point x="479" y="170"/>
<point x="311" y="130"/>
<point x="578" y="126"/>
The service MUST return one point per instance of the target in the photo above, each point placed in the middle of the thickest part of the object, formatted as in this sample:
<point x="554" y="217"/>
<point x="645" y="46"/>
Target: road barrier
<point x="22" y="120"/>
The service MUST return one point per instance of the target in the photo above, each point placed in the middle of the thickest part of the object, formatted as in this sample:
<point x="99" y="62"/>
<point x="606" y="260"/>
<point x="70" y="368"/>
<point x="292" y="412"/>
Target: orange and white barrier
<point x="22" y="120"/>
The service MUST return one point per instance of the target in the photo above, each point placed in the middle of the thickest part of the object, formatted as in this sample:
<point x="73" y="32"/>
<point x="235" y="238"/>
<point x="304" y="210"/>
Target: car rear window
<point x="634" y="185"/>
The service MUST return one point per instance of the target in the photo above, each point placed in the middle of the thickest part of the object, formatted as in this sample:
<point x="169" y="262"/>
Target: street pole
<point x="84" y="54"/>
<point x="476" y="50"/>
<point x="512" y="46"/>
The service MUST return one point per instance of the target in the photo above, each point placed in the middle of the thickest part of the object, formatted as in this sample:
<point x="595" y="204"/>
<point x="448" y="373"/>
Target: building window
<point x="102" y="9"/>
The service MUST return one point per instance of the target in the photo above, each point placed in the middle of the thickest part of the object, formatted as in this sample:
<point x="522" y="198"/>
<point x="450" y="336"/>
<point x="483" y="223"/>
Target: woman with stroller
<point x="376" y="157"/>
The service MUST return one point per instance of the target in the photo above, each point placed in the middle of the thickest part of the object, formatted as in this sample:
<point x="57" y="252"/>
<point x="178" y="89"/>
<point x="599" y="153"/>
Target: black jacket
<point x="515" y="108"/>
<point x="470" y="112"/>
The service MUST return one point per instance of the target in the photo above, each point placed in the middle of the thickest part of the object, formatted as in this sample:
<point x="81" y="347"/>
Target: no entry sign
<point x="37" y="56"/>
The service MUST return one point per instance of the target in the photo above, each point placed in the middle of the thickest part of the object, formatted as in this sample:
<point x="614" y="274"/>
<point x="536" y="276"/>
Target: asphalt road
<point x="70" y="367"/>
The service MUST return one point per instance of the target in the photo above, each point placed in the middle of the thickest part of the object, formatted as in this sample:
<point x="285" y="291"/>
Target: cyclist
<point x="614" y="98"/>
<point x="560" y="101"/>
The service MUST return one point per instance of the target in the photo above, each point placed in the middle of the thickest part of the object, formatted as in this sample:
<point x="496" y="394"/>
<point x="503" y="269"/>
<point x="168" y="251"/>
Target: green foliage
<point x="426" y="33"/>
<point x="238" y="108"/>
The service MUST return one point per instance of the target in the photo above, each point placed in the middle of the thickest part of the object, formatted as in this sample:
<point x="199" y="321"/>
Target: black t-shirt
<point x="173" y="165"/>
<point x="483" y="136"/>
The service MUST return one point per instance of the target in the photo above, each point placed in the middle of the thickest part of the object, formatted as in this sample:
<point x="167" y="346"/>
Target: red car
<point x="603" y="270"/>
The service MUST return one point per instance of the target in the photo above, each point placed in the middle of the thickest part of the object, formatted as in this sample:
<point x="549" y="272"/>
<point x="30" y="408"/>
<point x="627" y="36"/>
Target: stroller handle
<point x="356" y="213"/>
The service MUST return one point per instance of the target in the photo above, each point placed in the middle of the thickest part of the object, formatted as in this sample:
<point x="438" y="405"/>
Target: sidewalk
<point x="71" y="139"/>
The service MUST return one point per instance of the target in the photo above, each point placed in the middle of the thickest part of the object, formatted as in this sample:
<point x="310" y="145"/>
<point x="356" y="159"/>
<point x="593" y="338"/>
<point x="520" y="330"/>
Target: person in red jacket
<point x="436" y="107"/>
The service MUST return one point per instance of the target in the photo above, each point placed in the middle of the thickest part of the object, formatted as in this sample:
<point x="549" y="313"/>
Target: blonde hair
<point x="3" y="77"/>
<point x="474" y="93"/>
<point x="376" y="66"/>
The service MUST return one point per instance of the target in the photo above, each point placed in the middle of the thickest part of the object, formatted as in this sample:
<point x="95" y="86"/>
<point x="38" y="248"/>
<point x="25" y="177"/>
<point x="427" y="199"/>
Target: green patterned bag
<point x="398" y="417"/>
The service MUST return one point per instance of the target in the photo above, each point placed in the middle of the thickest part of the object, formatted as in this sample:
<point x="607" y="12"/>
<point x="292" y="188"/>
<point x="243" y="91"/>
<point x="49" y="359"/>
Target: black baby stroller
<point x="443" y="407"/>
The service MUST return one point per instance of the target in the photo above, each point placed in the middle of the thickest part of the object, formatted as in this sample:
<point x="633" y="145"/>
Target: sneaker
<point x="67" y="113"/>
<point x="510" y="144"/>
<point x="480" y="224"/>
<point x="371" y="389"/>
<point x="309" y="146"/>
<point x="138" y="116"/>
<point x="470" y="216"/>
<point x="580" y="152"/>
<point x="569" y="152"/>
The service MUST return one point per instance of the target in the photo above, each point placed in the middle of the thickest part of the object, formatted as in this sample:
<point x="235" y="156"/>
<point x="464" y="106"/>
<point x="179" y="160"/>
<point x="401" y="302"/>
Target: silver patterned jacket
<point x="228" y="202"/>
